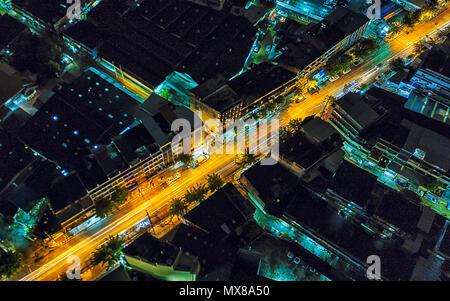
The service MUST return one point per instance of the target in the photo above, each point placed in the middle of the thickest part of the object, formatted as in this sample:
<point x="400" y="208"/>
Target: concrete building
<point x="161" y="260"/>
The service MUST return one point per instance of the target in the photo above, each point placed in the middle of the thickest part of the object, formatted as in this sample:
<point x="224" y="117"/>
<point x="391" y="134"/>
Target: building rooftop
<point x="222" y="212"/>
<point x="315" y="215"/>
<point x="410" y="130"/>
<point x="61" y="191"/>
<point x="299" y="150"/>
<point x="317" y="130"/>
<point x="400" y="212"/>
<point x="14" y="158"/>
<point x="353" y="183"/>
<point x="306" y="43"/>
<point x="160" y="36"/>
<point x="10" y="29"/>
<point x="152" y="250"/>
<point x="445" y="244"/>
<point x="86" y="113"/>
<point x="48" y="11"/>
<point x="211" y="251"/>
<point x="275" y="185"/>
<point x="118" y="274"/>
<point x="157" y="115"/>
<point x="359" y="110"/>
<point x="11" y="82"/>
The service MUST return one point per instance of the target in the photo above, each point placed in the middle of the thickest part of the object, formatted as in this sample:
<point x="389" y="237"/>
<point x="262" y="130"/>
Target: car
<point x="333" y="78"/>
<point x="357" y="63"/>
<point x="351" y="86"/>
<point x="347" y="71"/>
<point x="173" y="178"/>
<point x="256" y="48"/>
<point x="200" y="160"/>
<point x="301" y="98"/>
<point x="296" y="260"/>
<point x="290" y="254"/>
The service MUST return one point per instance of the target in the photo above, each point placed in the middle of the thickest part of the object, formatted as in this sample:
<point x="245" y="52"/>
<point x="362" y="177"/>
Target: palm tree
<point x="196" y="194"/>
<point x="108" y="253"/>
<point x="215" y="182"/>
<point x="104" y="207"/>
<point x="246" y="159"/>
<point x="10" y="263"/>
<point x="178" y="207"/>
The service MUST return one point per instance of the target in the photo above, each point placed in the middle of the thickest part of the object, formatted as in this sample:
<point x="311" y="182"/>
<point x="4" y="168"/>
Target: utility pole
<point x="150" y="220"/>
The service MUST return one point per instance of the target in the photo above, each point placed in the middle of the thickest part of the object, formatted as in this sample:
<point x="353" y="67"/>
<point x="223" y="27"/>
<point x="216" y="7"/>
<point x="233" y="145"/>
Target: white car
<point x="173" y="178"/>
<point x="333" y="78"/>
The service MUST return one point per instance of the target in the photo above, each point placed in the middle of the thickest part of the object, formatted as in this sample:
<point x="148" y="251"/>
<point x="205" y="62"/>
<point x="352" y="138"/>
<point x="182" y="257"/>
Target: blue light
<point x="95" y="146"/>
<point x="55" y="117"/>
<point x="75" y="132"/>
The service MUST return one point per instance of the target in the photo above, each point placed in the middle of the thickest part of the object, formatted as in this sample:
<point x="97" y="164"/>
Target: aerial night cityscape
<point x="193" y="142"/>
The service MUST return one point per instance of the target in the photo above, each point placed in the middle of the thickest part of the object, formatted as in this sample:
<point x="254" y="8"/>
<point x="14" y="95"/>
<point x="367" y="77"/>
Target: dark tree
<point x="178" y="207"/>
<point x="186" y="159"/>
<point x="10" y="263"/>
<point x="215" y="182"/>
<point x="108" y="253"/>
<point x="38" y="54"/>
<point x="365" y="48"/>
<point x="338" y="64"/>
<point x="196" y="194"/>
<point x="397" y="65"/>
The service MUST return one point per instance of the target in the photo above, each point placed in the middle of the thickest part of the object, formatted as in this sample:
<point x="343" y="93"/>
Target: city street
<point x="155" y="200"/>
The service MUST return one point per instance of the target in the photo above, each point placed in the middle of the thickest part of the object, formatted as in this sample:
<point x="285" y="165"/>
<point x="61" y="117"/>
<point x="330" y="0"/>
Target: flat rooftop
<point x="317" y="216"/>
<point x="14" y="158"/>
<point x="222" y="212"/>
<point x="49" y="11"/>
<point x="88" y="112"/>
<point x="159" y="37"/>
<point x="10" y="29"/>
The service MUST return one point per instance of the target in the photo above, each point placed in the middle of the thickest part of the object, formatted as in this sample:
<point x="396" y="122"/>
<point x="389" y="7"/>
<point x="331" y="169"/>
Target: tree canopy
<point x="215" y="182"/>
<point x="178" y="207"/>
<point x="38" y="54"/>
<point x="105" y="206"/>
<point x="10" y="263"/>
<point x="338" y="64"/>
<point x="397" y="64"/>
<point x="108" y="253"/>
<point x="364" y="48"/>
<point x="196" y="194"/>
<point x="186" y="159"/>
